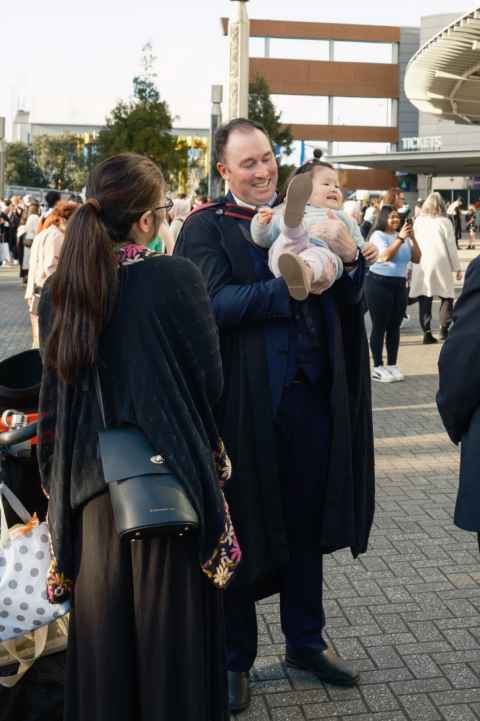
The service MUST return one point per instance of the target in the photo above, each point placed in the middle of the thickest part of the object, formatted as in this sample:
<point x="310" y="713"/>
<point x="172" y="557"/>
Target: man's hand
<point x="334" y="232"/>
<point x="265" y="215"/>
<point x="370" y="252"/>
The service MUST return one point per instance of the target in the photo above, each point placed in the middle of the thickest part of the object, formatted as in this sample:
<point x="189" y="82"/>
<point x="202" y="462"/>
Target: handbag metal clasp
<point x="157" y="460"/>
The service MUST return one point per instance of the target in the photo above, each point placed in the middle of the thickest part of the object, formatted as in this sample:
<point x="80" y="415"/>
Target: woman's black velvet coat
<point x="219" y="246"/>
<point x="160" y="364"/>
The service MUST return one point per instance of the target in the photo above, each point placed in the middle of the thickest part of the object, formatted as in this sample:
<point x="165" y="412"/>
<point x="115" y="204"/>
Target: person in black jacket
<point x="458" y="396"/>
<point x="295" y="413"/>
<point x="146" y="639"/>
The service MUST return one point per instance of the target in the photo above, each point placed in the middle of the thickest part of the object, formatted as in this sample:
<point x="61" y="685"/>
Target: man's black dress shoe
<point x="325" y="664"/>
<point x="238" y="691"/>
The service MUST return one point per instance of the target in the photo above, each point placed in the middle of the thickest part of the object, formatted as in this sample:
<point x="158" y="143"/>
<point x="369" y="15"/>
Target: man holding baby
<point x="285" y="281"/>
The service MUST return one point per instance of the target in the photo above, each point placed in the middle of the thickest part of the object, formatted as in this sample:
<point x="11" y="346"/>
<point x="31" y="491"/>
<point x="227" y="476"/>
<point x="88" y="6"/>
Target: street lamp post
<point x="238" y="36"/>
<point x="214" y="181"/>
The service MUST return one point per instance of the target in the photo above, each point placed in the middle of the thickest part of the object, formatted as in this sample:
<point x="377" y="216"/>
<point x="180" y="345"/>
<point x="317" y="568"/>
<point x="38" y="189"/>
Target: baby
<point x="296" y="252"/>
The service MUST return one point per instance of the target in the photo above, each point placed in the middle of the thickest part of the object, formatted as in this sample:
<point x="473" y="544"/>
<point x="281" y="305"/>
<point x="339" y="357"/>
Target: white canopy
<point x="443" y="77"/>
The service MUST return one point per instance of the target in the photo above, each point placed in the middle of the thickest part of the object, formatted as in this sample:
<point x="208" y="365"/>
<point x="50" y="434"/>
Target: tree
<point x="21" y="167"/>
<point x="262" y="110"/>
<point x="143" y="125"/>
<point x="62" y="160"/>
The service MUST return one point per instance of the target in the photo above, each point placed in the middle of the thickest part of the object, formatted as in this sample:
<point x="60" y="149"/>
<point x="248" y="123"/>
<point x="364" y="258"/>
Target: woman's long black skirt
<point x="146" y="636"/>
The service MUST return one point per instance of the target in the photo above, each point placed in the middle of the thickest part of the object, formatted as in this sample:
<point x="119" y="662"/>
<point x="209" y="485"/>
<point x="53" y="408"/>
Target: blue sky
<point x="72" y="62"/>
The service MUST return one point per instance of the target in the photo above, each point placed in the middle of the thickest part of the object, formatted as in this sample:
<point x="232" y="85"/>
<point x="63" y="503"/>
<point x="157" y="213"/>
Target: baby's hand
<point x="370" y="252"/>
<point x="265" y="215"/>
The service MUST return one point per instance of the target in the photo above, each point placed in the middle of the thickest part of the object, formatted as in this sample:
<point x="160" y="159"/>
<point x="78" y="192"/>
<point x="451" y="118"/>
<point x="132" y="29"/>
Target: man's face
<point x="249" y="167"/>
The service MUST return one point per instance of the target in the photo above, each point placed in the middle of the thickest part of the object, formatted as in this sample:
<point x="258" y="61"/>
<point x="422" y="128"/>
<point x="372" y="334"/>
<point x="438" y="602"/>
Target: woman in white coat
<point x="433" y="276"/>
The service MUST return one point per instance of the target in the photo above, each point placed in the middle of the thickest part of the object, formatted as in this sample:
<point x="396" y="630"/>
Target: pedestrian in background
<point x="471" y="225"/>
<point x="25" y="236"/>
<point x="433" y="276"/>
<point x="51" y="199"/>
<point x="181" y="208"/>
<point x="44" y="256"/>
<point x="385" y="290"/>
<point x="146" y="639"/>
<point x="454" y="212"/>
<point x="370" y="217"/>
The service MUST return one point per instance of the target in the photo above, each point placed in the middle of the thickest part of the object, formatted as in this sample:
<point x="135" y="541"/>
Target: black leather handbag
<point x="147" y="497"/>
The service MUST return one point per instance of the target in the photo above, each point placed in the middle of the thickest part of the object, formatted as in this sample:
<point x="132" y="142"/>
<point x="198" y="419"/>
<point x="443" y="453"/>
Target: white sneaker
<point x="382" y="375"/>
<point x="395" y="372"/>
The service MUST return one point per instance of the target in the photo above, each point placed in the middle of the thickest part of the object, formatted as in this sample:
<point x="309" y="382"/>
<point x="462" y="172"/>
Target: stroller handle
<point x="19" y="435"/>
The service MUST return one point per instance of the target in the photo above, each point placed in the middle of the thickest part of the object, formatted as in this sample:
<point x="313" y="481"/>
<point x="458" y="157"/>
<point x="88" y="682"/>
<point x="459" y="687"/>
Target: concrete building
<point x="24" y="130"/>
<point x="442" y="83"/>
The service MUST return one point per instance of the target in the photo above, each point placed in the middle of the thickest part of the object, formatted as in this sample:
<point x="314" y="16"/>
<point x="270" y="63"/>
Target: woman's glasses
<point x="168" y="205"/>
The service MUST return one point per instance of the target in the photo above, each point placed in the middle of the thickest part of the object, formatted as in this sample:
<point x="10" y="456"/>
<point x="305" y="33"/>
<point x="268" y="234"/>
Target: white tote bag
<point x="24" y="561"/>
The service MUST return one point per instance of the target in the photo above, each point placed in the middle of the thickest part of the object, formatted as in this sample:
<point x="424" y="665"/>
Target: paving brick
<point x="448" y="698"/>
<point x="336" y="708"/>
<point x="382" y="716"/>
<point x="292" y="713"/>
<point x="385" y="675"/>
<point x="462" y="712"/>
<point x="461" y="640"/>
<point x="297" y="698"/>
<point x="386" y="657"/>
<point x="379" y="698"/>
<point x="425" y="685"/>
<point x="460" y="675"/>
<point x="419" y="708"/>
<point x="422" y="666"/>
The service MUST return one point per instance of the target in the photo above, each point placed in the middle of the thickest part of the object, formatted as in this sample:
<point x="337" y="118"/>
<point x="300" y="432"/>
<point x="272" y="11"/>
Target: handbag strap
<point x="98" y="389"/>
<point x="16" y="506"/>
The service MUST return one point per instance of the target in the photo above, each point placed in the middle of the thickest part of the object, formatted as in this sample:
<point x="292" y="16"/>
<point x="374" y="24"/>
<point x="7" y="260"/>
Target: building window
<point x="304" y="109"/>
<point x="361" y="111"/>
<point x="359" y="148"/>
<point x="362" y="52"/>
<point x="293" y="49"/>
<point x="257" y="47"/>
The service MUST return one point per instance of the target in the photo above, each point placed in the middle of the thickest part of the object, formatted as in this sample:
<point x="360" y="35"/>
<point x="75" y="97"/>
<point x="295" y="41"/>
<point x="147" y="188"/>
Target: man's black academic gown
<point x="253" y="312"/>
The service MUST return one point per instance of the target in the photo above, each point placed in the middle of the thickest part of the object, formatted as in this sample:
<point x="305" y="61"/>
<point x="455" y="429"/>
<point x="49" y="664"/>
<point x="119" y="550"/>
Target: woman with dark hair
<point x="385" y="289"/>
<point x="146" y="638"/>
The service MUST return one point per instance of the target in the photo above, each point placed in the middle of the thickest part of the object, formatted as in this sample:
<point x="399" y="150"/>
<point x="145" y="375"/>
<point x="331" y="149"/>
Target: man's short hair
<point x="224" y="131"/>
<point x="52" y="197"/>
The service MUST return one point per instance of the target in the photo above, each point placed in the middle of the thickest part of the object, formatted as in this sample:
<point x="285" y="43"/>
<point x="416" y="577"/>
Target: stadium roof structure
<point x="448" y="163"/>
<point x="443" y="77"/>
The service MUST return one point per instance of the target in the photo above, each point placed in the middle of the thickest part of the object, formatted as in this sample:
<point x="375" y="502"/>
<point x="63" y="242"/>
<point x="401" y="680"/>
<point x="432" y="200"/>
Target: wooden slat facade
<point x="323" y="78"/>
<point x="370" y="179"/>
<point x="320" y="31"/>
<point x="345" y="133"/>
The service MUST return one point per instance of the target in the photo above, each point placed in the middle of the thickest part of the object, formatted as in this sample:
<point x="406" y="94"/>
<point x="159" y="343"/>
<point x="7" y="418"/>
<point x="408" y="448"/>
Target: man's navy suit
<point x="296" y="420"/>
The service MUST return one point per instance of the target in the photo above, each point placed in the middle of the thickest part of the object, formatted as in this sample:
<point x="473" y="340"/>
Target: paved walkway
<point x="407" y="614"/>
<point x="15" y="329"/>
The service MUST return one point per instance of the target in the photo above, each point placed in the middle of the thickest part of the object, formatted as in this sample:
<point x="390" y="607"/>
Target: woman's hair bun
<point x="317" y="153"/>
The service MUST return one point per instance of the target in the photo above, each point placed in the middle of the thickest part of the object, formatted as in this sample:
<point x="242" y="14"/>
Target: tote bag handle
<point x="40" y="642"/>
<point x="16" y="505"/>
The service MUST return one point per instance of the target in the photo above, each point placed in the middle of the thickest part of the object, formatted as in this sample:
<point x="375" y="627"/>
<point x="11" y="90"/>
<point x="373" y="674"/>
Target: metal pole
<point x="214" y="181"/>
<point x="2" y="158"/>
